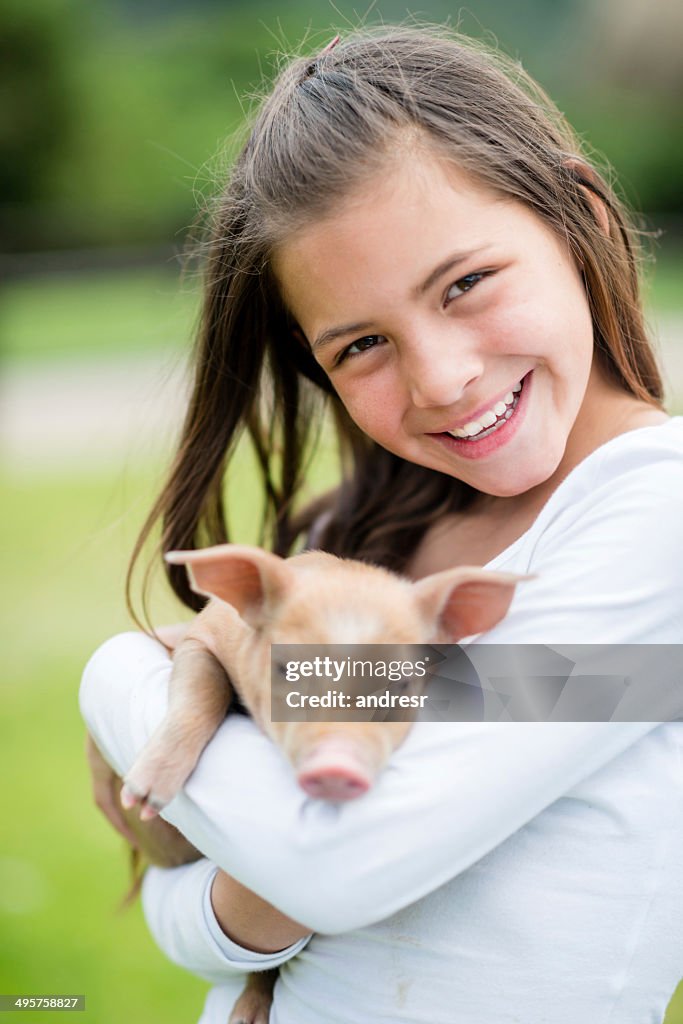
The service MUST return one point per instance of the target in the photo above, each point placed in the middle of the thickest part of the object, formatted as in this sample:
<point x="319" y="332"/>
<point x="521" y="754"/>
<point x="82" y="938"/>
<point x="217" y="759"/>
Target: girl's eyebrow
<point x="332" y="333"/>
<point x="448" y="264"/>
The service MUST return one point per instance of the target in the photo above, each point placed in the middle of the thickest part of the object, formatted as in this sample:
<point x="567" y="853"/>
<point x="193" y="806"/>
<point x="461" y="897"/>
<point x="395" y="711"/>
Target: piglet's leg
<point x="199" y="698"/>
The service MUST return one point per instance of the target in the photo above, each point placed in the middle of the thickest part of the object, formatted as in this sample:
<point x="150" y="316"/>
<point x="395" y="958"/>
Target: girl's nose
<point x="437" y="370"/>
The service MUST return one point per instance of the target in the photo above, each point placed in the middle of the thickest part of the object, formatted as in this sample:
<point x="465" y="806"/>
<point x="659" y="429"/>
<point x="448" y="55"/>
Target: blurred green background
<point x="112" y="127"/>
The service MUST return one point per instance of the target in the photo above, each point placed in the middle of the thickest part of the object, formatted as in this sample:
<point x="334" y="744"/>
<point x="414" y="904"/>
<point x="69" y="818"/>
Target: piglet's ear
<point x="245" y="577"/>
<point x="464" y="601"/>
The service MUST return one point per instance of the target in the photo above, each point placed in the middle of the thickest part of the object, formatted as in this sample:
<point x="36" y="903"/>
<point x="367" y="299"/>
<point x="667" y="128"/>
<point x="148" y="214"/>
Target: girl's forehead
<point x="417" y="181"/>
<point x="395" y="227"/>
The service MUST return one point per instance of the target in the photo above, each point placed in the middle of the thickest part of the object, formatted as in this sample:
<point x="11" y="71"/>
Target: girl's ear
<point x="245" y="577"/>
<point x="587" y="181"/>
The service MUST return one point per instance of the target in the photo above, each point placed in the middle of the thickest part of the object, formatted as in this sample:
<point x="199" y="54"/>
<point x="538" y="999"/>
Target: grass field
<point x="89" y="315"/>
<point x="65" y="543"/>
<point x="62" y="870"/>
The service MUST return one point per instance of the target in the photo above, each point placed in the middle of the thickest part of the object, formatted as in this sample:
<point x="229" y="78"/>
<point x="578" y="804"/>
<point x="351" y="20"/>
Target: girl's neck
<point x="492" y="523"/>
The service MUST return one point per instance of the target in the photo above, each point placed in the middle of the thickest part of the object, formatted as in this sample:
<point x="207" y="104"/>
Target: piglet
<point x="258" y="599"/>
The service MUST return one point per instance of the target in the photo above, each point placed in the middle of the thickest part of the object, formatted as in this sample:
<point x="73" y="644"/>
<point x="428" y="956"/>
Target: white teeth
<point x="490" y="417"/>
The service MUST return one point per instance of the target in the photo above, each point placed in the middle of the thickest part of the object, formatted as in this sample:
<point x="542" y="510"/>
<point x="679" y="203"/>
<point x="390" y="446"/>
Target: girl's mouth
<point x="478" y="439"/>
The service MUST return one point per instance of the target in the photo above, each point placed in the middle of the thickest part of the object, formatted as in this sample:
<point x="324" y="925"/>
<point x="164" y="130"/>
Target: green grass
<point x="96" y="314"/>
<point x="663" y="289"/>
<point x="62" y="870"/>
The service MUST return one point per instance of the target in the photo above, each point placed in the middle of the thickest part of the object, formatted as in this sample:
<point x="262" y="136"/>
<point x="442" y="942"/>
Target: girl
<point x="412" y="239"/>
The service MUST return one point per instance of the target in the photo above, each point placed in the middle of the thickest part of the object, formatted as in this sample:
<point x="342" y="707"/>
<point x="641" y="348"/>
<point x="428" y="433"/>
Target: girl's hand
<point x="105" y="787"/>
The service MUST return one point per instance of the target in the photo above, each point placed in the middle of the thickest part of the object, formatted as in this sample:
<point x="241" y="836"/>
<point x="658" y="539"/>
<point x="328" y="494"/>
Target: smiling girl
<point x="412" y="239"/>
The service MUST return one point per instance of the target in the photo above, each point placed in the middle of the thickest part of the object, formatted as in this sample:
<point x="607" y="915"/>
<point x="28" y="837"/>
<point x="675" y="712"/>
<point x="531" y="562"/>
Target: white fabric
<point x="497" y="872"/>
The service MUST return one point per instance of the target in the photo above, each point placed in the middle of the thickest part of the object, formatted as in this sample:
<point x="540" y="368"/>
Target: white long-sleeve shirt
<point x="496" y="871"/>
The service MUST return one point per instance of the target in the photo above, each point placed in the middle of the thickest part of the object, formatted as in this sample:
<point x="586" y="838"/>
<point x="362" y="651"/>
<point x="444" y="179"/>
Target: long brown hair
<point x="327" y="125"/>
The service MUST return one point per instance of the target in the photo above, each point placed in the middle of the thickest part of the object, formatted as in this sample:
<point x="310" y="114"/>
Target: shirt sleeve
<point x="451" y="793"/>
<point x="179" y="914"/>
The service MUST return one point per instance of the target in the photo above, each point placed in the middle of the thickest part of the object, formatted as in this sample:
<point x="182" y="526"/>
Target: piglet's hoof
<point x="150" y="804"/>
<point x="156" y="777"/>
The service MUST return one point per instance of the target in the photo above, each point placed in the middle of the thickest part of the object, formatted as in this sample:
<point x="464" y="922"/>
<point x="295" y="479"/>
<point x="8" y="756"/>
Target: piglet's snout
<point x="335" y="771"/>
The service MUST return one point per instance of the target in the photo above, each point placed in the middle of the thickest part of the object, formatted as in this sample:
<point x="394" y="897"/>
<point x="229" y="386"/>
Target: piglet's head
<point x="341" y="760"/>
<point x="253" y="581"/>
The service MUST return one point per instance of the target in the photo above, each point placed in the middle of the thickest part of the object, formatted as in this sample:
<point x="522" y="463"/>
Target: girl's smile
<point x="428" y="300"/>
<point x="491" y="428"/>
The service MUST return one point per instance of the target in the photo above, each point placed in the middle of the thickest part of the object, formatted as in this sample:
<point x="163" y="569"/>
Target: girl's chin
<point x="498" y="489"/>
<point x="527" y="473"/>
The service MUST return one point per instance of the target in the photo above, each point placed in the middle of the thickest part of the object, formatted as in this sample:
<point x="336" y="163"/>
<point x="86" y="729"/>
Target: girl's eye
<point x="464" y="284"/>
<point x="358" y="346"/>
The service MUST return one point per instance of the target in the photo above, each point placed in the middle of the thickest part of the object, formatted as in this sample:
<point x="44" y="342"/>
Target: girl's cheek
<point x="373" y="402"/>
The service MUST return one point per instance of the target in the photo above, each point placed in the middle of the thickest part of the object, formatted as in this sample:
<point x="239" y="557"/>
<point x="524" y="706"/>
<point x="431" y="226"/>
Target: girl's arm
<point x="178" y="908"/>
<point x="251" y="922"/>
<point x="454" y="791"/>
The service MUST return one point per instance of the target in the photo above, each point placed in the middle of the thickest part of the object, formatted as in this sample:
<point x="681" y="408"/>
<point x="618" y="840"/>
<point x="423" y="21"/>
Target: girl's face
<point x="428" y="301"/>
